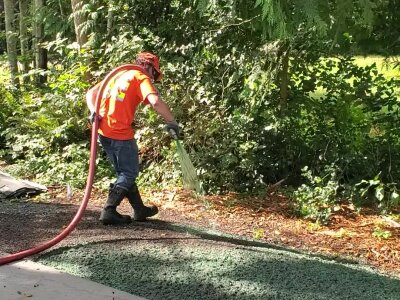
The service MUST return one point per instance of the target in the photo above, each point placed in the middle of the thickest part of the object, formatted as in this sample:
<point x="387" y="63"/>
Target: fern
<point x="283" y="18"/>
<point x="202" y="6"/>
<point x="273" y="14"/>
<point x="310" y="11"/>
<point x="344" y="9"/>
<point x="367" y="15"/>
<point x="205" y="6"/>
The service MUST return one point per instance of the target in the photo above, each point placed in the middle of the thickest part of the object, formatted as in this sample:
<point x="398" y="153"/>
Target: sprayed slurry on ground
<point x="189" y="173"/>
<point x="198" y="269"/>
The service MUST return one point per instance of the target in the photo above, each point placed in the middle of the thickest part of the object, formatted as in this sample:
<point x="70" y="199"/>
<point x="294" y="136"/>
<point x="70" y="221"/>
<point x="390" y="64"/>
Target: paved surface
<point x="30" y="280"/>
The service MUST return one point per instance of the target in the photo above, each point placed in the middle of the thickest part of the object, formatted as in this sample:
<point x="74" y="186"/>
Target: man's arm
<point x="161" y="107"/>
<point x="91" y="96"/>
<point x="90" y="99"/>
<point x="163" y="110"/>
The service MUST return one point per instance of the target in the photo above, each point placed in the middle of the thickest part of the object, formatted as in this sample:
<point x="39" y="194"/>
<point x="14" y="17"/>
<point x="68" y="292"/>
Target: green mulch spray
<point x="189" y="173"/>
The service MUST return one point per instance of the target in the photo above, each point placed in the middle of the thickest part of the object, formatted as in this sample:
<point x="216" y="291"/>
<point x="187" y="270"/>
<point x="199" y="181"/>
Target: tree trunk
<point x="11" y="38"/>
<point x="23" y="36"/>
<point x="284" y="80"/>
<point x="79" y="21"/>
<point x="110" y="23"/>
<point x="61" y="8"/>
<point x="40" y="52"/>
<point x="3" y="44"/>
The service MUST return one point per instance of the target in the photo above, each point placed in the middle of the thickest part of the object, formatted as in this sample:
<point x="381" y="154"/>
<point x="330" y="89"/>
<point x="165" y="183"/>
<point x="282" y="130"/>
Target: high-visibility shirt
<point x="122" y="95"/>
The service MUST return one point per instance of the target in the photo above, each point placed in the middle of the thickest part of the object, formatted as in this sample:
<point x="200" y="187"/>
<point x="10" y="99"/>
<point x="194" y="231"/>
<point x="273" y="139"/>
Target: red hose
<point x="92" y="168"/>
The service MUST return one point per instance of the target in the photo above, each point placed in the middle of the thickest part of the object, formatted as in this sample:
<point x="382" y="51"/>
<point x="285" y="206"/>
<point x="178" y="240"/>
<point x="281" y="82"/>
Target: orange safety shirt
<point x="122" y="95"/>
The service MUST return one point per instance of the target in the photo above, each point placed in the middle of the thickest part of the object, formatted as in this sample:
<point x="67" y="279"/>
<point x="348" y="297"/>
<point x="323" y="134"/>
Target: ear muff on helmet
<point x="156" y="75"/>
<point x="150" y="58"/>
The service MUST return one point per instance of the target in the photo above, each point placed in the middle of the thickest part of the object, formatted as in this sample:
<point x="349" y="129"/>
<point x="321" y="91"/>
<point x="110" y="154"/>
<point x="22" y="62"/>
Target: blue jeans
<point x="125" y="159"/>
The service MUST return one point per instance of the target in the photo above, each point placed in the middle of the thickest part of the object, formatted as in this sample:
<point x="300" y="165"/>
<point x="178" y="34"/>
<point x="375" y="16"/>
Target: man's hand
<point x="173" y="129"/>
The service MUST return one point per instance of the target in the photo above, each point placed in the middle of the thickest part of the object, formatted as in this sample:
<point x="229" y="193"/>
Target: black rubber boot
<point x="109" y="214"/>
<point x="140" y="211"/>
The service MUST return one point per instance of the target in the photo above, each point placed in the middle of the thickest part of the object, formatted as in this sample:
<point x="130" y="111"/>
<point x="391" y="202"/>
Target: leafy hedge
<point x="337" y="141"/>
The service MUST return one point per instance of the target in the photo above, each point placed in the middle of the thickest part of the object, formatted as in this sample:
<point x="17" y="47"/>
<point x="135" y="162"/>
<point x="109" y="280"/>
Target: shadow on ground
<point x="187" y="268"/>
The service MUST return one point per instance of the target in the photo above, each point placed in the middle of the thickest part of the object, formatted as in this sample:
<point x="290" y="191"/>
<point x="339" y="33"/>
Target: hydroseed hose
<point x="92" y="169"/>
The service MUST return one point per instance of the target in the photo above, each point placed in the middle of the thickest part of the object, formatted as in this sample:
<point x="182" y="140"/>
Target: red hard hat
<point x="151" y="59"/>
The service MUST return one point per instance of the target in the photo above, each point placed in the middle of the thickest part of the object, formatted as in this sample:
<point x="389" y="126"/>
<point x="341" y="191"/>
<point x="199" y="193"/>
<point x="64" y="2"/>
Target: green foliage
<point x="46" y="130"/>
<point x="285" y="18"/>
<point x="376" y="193"/>
<point x="382" y="234"/>
<point x="65" y="166"/>
<point x="385" y="32"/>
<point x="315" y="199"/>
<point x="223" y="82"/>
<point x="119" y="50"/>
<point x="9" y="107"/>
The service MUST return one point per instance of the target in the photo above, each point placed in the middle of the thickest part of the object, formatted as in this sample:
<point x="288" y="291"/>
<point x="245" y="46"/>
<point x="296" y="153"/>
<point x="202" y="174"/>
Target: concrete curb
<point x="30" y="280"/>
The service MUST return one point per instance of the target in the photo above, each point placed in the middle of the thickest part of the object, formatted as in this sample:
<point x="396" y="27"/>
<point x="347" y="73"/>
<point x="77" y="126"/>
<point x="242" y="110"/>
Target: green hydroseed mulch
<point x="194" y="268"/>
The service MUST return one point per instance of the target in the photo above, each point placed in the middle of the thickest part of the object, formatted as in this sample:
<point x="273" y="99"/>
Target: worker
<point x="121" y="98"/>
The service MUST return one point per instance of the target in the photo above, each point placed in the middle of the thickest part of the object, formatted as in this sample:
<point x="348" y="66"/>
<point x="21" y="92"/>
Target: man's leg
<point x="128" y="166"/>
<point x="124" y="157"/>
<point x="140" y="211"/>
<point x="126" y="163"/>
<point x="109" y="214"/>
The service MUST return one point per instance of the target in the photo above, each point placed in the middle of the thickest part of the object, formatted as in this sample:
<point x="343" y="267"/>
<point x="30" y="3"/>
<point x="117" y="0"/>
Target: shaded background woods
<point x="266" y="92"/>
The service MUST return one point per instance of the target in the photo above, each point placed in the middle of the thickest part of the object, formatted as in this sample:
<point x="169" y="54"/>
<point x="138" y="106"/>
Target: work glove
<point x="173" y="129"/>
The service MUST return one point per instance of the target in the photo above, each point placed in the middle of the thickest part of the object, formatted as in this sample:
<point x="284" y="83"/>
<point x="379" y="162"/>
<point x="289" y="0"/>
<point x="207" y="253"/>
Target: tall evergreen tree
<point x="11" y="36"/>
<point x="40" y="51"/>
<point x="23" y="35"/>
<point x="79" y="21"/>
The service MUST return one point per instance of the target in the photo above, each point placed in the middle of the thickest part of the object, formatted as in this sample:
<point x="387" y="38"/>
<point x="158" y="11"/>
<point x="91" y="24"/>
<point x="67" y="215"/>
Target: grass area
<point x="385" y="66"/>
